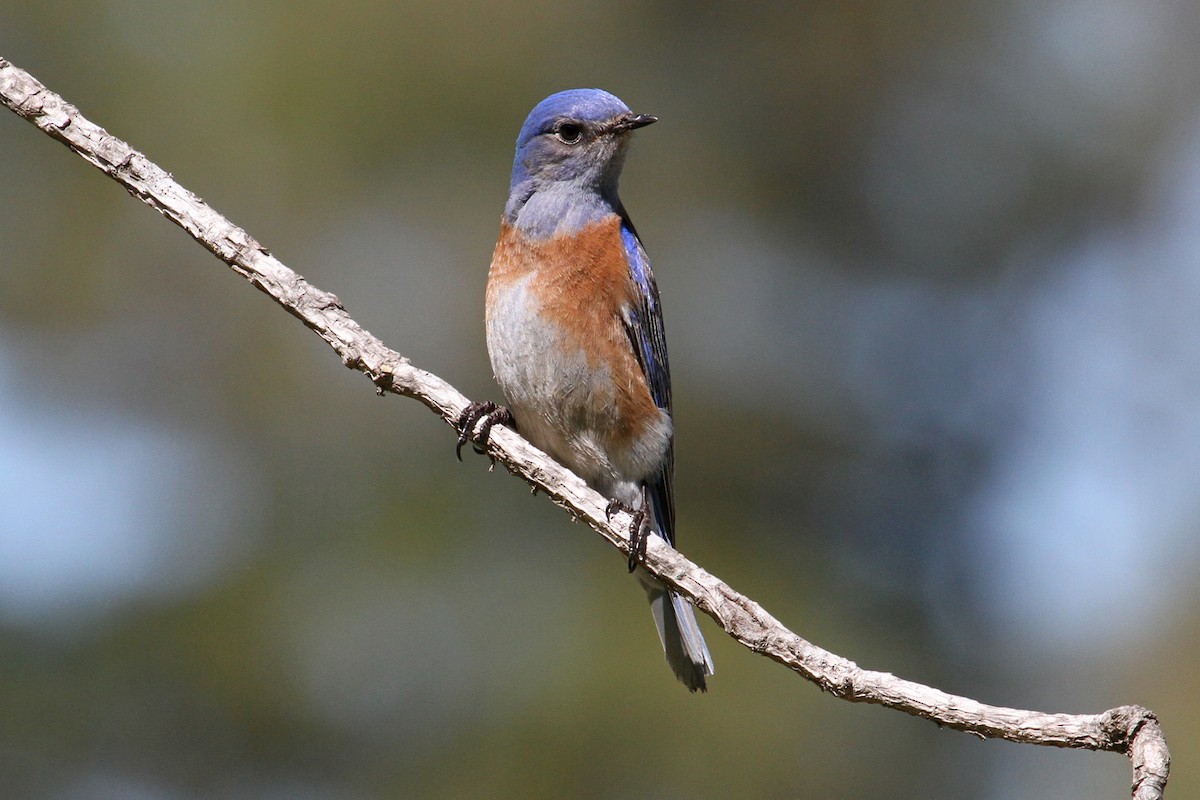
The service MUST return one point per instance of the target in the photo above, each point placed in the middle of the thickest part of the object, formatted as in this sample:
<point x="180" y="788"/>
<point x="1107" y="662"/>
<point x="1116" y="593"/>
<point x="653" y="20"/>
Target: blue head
<point x="569" y="157"/>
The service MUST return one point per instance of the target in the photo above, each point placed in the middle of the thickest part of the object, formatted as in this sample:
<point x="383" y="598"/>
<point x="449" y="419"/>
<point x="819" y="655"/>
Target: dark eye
<point x="569" y="133"/>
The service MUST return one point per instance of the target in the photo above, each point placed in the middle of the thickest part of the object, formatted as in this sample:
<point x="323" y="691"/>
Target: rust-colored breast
<point x="582" y="284"/>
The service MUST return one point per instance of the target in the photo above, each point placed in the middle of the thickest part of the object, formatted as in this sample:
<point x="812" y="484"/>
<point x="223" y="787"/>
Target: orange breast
<point x="582" y="285"/>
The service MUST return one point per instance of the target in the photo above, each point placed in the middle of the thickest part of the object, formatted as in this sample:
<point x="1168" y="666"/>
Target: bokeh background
<point x="930" y="271"/>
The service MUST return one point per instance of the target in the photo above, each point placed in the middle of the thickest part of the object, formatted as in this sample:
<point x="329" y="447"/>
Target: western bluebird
<point x="575" y="334"/>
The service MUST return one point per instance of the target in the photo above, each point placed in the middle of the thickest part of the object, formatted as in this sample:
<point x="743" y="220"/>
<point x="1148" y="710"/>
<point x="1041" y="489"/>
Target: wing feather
<point x="644" y="327"/>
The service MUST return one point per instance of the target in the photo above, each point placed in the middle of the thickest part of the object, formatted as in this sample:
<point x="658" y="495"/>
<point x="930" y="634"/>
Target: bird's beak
<point x="629" y="123"/>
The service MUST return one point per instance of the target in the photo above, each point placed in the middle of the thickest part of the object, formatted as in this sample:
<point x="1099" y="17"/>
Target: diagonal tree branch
<point x="1131" y="730"/>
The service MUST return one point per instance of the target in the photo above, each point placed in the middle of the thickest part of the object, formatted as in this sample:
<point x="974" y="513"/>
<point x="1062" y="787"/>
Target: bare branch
<point x="1131" y="730"/>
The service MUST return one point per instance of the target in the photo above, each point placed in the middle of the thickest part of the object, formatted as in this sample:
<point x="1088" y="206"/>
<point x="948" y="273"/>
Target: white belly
<point x="562" y="404"/>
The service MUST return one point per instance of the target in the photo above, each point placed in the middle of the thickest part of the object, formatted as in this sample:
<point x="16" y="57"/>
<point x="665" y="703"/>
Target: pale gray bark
<point x="1131" y="730"/>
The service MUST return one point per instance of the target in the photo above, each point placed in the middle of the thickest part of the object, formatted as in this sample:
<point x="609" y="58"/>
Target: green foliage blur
<point x="929" y="298"/>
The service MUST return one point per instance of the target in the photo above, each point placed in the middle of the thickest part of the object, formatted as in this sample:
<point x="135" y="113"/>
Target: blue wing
<point x="644" y="326"/>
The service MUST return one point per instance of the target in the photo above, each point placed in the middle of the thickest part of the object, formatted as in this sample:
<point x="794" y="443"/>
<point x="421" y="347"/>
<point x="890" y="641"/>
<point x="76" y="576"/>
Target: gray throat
<point x="557" y="207"/>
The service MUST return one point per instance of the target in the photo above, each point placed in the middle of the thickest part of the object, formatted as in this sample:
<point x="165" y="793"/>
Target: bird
<point x="576" y="340"/>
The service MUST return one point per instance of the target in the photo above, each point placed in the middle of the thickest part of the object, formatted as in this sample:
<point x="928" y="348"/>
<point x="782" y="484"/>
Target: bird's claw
<point x="639" y="526"/>
<point x="485" y="415"/>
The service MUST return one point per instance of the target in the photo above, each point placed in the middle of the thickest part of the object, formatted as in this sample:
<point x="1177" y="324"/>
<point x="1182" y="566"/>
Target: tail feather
<point x="683" y="645"/>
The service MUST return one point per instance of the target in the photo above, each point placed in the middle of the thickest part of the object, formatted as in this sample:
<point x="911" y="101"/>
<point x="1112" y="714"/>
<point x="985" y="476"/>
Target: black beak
<point x="629" y="123"/>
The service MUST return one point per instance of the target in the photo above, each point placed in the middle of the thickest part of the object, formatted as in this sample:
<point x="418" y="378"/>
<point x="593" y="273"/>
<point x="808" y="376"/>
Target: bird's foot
<point x="639" y="527"/>
<point x="485" y="415"/>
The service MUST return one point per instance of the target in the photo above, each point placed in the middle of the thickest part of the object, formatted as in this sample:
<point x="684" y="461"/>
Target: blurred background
<point x="930" y="272"/>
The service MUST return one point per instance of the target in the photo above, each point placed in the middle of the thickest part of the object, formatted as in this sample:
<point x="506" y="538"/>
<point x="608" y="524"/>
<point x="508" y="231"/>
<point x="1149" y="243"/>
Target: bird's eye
<point x="569" y="133"/>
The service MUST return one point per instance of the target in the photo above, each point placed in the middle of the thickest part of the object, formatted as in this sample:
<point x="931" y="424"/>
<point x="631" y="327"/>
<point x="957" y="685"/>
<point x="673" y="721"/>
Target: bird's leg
<point x="485" y="415"/>
<point x="639" y="527"/>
